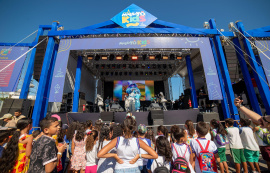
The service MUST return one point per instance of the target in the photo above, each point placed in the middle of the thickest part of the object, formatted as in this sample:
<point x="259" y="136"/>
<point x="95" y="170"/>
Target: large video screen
<point x="146" y="88"/>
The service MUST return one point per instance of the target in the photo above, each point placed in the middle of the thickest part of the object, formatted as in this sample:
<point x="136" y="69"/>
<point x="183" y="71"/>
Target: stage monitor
<point x="122" y="87"/>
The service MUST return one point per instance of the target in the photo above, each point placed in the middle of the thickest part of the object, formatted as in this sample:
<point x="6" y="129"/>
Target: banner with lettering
<point x="10" y="70"/>
<point x="203" y="43"/>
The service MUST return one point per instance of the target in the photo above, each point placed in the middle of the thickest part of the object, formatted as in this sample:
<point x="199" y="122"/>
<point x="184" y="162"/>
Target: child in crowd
<point x="116" y="131"/>
<point x="91" y="152"/>
<point x="236" y="146"/>
<point x="162" y="131"/>
<point x="88" y="126"/>
<point x="15" y="158"/>
<point x="4" y="137"/>
<point x="105" y="165"/>
<point x="191" y="132"/>
<point x="141" y="135"/>
<point x="264" y="148"/>
<point x="78" y="162"/>
<point x="98" y="125"/>
<point x="180" y="148"/>
<point x="208" y="135"/>
<point x="127" y="148"/>
<point x="70" y="134"/>
<point x="150" y="135"/>
<point x="201" y="143"/>
<point x="251" y="148"/>
<point x="44" y="156"/>
<point x="173" y="130"/>
<point x="164" y="154"/>
<point x="219" y="131"/>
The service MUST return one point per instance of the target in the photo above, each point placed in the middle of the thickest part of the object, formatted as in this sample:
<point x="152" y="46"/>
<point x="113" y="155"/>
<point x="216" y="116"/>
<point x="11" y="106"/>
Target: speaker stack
<point x="157" y="118"/>
<point x="207" y="116"/>
<point x="67" y="102"/>
<point x="11" y="105"/>
<point x="107" y="117"/>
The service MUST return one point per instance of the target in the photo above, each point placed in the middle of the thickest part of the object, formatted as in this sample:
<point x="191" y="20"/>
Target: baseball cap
<point x="9" y="116"/>
<point x="142" y="128"/>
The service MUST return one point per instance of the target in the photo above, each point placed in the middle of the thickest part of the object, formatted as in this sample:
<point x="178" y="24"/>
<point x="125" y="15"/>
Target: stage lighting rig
<point x="102" y="66"/>
<point x="152" y="57"/>
<point x="97" y="57"/>
<point x="119" y="57"/>
<point x="104" y="57"/>
<point x="144" y="56"/>
<point x="126" y="57"/>
<point x="158" y="56"/>
<point x="90" y="57"/>
<point x="165" y="57"/>
<point x="172" y="56"/>
<point x="124" y="66"/>
<point x="111" y="57"/>
<point x="134" y="57"/>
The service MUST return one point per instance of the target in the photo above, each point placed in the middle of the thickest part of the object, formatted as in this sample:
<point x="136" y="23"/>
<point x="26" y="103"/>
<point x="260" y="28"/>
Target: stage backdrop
<point x="9" y="77"/>
<point x="264" y="46"/>
<point x="202" y="43"/>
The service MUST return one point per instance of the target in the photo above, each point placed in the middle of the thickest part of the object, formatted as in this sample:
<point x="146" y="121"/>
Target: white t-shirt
<point x="142" y="161"/>
<point x="161" y="162"/>
<point x="197" y="149"/>
<point x="208" y="136"/>
<point x="234" y="138"/>
<point x="181" y="149"/>
<point x="248" y="140"/>
<point x="91" y="156"/>
<point x="259" y="136"/>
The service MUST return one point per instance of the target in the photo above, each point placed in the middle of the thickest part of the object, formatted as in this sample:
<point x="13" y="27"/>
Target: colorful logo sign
<point x="4" y="51"/>
<point x="141" y="43"/>
<point x="134" y="17"/>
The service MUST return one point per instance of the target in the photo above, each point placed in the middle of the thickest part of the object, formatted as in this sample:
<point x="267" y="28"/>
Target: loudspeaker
<point x="207" y="116"/>
<point x="107" y="116"/>
<point x="154" y="106"/>
<point x="157" y="114"/>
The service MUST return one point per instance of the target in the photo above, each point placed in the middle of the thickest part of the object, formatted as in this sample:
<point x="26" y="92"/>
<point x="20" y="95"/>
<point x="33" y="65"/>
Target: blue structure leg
<point x="250" y="89"/>
<point x="224" y="102"/>
<point x="75" y="105"/>
<point x="43" y="79"/>
<point x="191" y="82"/>
<point x="225" y="73"/>
<point x="30" y="68"/>
<point x="49" y="81"/>
<point x="259" y="73"/>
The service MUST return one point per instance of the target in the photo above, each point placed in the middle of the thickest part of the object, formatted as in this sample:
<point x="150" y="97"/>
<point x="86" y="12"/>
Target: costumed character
<point x="99" y="102"/>
<point x="163" y="101"/>
<point x="133" y="92"/>
<point x="127" y="103"/>
<point x="107" y="104"/>
<point x="137" y="100"/>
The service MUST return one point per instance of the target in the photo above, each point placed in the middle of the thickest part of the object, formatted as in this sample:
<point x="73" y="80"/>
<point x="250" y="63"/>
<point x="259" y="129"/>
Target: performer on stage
<point x="163" y="101"/>
<point x="134" y="95"/>
<point x="99" y="102"/>
<point x="107" y="104"/>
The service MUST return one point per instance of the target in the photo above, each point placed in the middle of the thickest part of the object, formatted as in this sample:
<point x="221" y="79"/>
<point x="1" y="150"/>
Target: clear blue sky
<point x="22" y="17"/>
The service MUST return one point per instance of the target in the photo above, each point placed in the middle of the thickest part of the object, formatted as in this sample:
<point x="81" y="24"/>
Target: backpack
<point x="206" y="159"/>
<point x="180" y="165"/>
<point x="221" y="140"/>
<point x="266" y="137"/>
<point x="161" y="169"/>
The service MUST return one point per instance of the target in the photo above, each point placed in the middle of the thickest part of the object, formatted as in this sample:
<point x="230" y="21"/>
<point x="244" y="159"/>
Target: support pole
<point x="191" y="83"/>
<point x="250" y="89"/>
<point x="224" y="102"/>
<point x="225" y="73"/>
<point x="30" y="68"/>
<point x="259" y="73"/>
<point x="76" y="94"/>
<point x="43" y="79"/>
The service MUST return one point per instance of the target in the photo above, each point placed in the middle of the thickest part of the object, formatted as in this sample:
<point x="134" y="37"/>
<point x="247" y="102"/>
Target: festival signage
<point x="134" y="17"/>
<point x="10" y="76"/>
<point x="203" y="43"/>
<point x="264" y="52"/>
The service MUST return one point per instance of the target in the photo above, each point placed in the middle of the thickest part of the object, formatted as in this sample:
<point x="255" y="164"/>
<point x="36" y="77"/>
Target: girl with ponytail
<point x="15" y="157"/>
<point x="219" y="130"/>
<point x="127" y="149"/>
<point x="91" y="152"/>
<point x="191" y="132"/>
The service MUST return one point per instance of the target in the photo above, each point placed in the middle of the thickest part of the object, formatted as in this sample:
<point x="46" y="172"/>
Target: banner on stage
<point x="10" y="76"/>
<point x="134" y="17"/>
<point x="202" y="43"/>
<point x="264" y="53"/>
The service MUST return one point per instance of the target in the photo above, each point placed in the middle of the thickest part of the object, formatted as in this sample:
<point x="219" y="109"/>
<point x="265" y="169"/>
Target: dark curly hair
<point x="163" y="130"/>
<point x="104" y="134"/>
<point x="71" y="130"/>
<point x="117" y="131"/>
<point x="163" y="148"/>
<point x="220" y="128"/>
<point x="10" y="154"/>
<point x="98" y="125"/>
<point x="179" y="134"/>
<point x="90" y="140"/>
<point x="80" y="133"/>
<point x="245" y="122"/>
<point x="129" y="126"/>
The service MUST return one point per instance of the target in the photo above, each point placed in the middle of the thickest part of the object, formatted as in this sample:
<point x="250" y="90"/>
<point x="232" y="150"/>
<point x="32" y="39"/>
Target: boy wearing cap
<point x="141" y="161"/>
<point x="8" y="119"/>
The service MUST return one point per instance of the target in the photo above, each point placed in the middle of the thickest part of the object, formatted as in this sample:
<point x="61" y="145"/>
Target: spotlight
<point x="118" y="66"/>
<point x="124" y="66"/>
<point x="126" y="57"/>
<point x="144" y="57"/>
<point x="111" y="57"/>
<point x="172" y="56"/>
<point x="146" y="73"/>
<point x="113" y="66"/>
<point x="118" y="57"/>
<point x="104" y="57"/>
<point x="134" y="57"/>
<point x="152" y="57"/>
<point x="108" y="66"/>
<point x="158" y="56"/>
<point x="179" y="57"/>
<point x="160" y="73"/>
<point x="150" y="73"/>
<point x="103" y="66"/>
<point x="154" y="66"/>
<point x="148" y="66"/>
<point x="97" y="57"/>
<point x="165" y="57"/>
<point x="90" y="57"/>
<point x="143" y="65"/>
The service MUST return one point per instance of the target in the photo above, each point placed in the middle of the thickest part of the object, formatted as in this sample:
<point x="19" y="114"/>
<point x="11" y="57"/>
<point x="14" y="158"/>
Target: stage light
<point x="104" y="57"/>
<point x="103" y="66"/>
<point x="165" y="57"/>
<point x="134" y="57"/>
<point x="118" y="65"/>
<point x="97" y="57"/>
<point x="150" y="73"/>
<point x="154" y="66"/>
<point x="146" y="73"/>
<point x="111" y="57"/>
<point x="118" y="57"/>
<point x="90" y="57"/>
<point x="152" y="57"/>
<point x="172" y="56"/>
<point x="143" y="65"/>
<point x="108" y="66"/>
<point x="126" y="57"/>
<point x="124" y="66"/>
<point x="160" y="73"/>
<point x="148" y="66"/>
<point x="144" y="56"/>
<point x="158" y="56"/>
<point x="113" y="66"/>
